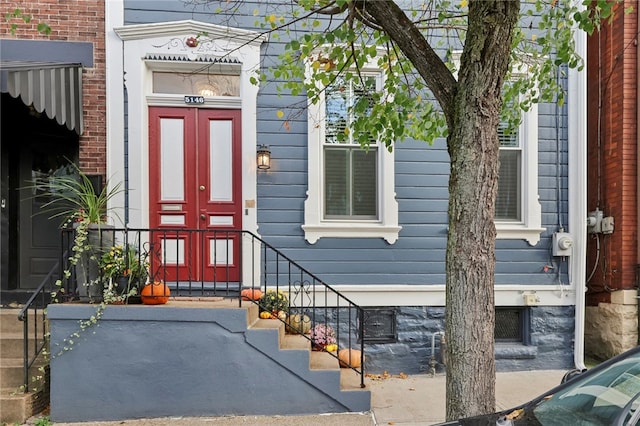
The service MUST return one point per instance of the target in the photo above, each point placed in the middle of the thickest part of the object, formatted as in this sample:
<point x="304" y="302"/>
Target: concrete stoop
<point x="16" y="406"/>
<point x="211" y="356"/>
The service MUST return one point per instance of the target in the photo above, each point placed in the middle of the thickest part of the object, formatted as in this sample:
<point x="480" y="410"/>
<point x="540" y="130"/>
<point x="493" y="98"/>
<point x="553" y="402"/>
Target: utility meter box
<point x="562" y="244"/>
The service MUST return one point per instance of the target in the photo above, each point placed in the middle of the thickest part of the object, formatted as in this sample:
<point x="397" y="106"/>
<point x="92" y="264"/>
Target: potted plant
<point x="274" y="302"/>
<point x="124" y="270"/>
<point x="323" y="337"/>
<point x="73" y="197"/>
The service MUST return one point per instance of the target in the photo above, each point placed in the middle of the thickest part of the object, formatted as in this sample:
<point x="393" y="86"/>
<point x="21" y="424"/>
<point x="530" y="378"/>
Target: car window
<point x="598" y="399"/>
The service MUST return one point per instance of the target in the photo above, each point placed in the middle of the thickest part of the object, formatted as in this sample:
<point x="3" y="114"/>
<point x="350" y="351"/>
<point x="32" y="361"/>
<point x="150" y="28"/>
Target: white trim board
<point x="434" y="295"/>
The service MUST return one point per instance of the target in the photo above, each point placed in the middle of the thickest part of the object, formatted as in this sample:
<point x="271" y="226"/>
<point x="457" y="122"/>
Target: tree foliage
<point x="18" y="14"/>
<point x="336" y="39"/>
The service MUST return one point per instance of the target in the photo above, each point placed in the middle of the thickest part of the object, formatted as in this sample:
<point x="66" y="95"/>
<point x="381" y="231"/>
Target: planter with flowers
<point x="72" y="196"/>
<point x="273" y="304"/>
<point x="124" y="271"/>
<point x="323" y="338"/>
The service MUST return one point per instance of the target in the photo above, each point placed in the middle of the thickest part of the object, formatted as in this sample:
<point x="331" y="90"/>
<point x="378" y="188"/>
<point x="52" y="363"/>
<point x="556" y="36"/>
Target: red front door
<point x="195" y="189"/>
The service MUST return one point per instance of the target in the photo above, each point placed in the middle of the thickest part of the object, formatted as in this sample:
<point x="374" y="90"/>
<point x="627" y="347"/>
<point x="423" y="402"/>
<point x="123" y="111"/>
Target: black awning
<point x="52" y="88"/>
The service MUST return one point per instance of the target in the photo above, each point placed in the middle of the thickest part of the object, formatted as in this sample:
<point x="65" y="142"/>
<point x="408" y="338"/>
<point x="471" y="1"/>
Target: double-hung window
<point x="508" y="199"/>
<point x="350" y="188"/>
<point x="350" y="172"/>
<point x="518" y="213"/>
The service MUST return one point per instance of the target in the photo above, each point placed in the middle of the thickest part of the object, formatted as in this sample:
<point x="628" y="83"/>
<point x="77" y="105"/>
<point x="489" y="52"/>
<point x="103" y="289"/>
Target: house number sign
<point x="194" y="100"/>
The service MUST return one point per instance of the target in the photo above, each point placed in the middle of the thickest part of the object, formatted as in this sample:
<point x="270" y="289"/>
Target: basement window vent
<point x="512" y="325"/>
<point x="379" y="325"/>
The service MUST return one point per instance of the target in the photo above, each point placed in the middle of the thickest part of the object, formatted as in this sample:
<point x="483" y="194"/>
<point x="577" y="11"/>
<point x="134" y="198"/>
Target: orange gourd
<point x="349" y="358"/>
<point x="251" y="294"/>
<point x="156" y="293"/>
<point x="265" y="315"/>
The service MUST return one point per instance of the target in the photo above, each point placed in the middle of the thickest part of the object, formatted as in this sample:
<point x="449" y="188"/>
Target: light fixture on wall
<point x="264" y="157"/>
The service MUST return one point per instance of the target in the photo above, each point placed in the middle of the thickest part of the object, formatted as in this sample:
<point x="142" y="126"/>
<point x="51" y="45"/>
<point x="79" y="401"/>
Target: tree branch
<point x="329" y="9"/>
<point x="416" y="48"/>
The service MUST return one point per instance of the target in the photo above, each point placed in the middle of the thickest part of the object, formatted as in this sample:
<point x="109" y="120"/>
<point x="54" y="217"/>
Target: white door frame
<point x="133" y="53"/>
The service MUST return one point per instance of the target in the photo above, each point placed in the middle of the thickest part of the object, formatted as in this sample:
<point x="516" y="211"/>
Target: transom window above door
<point x="202" y="84"/>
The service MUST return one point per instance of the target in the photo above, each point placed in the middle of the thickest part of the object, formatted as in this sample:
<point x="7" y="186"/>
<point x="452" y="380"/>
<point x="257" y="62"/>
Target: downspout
<point x="577" y="210"/>
<point x="637" y="183"/>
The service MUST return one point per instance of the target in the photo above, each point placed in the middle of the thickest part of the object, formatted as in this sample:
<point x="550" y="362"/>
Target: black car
<point x="606" y="395"/>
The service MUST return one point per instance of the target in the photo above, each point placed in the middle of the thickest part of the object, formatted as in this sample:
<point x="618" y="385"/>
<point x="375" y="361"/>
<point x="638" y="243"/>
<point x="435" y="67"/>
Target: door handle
<point x="201" y="188"/>
<point x="203" y="216"/>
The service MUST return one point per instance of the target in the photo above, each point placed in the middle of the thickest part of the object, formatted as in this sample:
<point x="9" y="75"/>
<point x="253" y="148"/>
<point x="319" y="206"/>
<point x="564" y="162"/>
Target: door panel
<point x="195" y="190"/>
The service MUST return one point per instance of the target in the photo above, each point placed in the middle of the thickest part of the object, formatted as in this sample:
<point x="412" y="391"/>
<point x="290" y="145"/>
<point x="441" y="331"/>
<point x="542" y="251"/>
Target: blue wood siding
<point x="421" y="186"/>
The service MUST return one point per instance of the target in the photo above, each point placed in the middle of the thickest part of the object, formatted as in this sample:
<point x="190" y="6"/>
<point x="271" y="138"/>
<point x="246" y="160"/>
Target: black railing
<point x="35" y="336"/>
<point x="201" y="263"/>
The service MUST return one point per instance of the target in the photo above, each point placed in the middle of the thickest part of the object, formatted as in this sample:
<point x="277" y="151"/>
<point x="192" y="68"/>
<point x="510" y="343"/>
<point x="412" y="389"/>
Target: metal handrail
<point x="327" y="305"/>
<point x="177" y="257"/>
<point x="38" y="301"/>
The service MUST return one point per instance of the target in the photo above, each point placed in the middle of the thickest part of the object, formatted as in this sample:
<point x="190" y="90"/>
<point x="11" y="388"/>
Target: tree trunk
<point x="472" y="109"/>
<point x="470" y="262"/>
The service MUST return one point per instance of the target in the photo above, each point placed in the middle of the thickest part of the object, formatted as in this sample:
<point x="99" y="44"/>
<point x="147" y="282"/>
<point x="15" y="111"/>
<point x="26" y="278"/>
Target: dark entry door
<point x="39" y="233"/>
<point x="32" y="146"/>
<point x="195" y="185"/>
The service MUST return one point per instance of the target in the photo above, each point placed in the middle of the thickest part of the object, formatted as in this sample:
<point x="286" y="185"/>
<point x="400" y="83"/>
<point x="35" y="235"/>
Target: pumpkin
<point x="331" y="348"/>
<point x="281" y="315"/>
<point x="298" y="323"/>
<point x="156" y="293"/>
<point x="265" y="315"/>
<point x="251" y="294"/>
<point x="349" y="358"/>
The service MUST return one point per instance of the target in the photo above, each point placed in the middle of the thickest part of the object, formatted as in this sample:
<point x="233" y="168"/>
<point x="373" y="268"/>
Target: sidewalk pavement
<point x="417" y="400"/>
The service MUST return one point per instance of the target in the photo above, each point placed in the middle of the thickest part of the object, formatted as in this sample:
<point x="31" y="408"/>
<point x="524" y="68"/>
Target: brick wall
<point x="612" y="154"/>
<point x="72" y="20"/>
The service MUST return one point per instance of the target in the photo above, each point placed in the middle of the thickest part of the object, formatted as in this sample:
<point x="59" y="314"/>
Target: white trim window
<point x="509" y="196"/>
<point x="351" y="189"/>
<point x="518" y="213"/>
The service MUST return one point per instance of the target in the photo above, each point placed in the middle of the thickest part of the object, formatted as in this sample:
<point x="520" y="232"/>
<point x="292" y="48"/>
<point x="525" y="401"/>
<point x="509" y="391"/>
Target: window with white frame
<point x="508" y="199"/>
<point x="350" y="172"/>
<point x="350" y="188"/>
<point x="518" y="213"/>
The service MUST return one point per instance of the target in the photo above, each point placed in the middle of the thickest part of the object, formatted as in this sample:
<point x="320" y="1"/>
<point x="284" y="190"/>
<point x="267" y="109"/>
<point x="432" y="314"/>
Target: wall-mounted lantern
<point x="264" y="157"/>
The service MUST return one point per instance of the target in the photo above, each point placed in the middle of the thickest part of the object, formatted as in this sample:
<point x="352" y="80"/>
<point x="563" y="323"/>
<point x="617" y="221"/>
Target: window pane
<point x="336" y="170"/>
<point x="364" y="182"/>
<point x="196" y="84"/>
<point x="340" y="97"/>
<point x="351" y="183"/>
<point x="508" y="139"/>
<point x="350" y="173"/>
<point x="336" y="99"/>
<point x="508" y="198"/>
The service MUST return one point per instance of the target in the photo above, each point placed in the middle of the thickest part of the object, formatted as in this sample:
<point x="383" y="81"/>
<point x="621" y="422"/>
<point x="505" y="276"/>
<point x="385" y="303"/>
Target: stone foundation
<point x="612" y="328"/>
<point x="551" y="333"/>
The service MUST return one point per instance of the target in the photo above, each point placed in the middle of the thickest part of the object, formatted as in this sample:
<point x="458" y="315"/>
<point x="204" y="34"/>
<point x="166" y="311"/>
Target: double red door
<point x="195" y="190"/>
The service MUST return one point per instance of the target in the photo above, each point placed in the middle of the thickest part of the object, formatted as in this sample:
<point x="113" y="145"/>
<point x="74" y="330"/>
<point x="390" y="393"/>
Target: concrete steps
<point x="319" y="361"/>
<point x="15" y="405"/>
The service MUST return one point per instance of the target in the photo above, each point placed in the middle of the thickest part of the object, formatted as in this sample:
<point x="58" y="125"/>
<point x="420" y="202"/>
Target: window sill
<point x="313" y="233"/>
<point x="515" y="231"/>
<point x="515" y="351"/>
